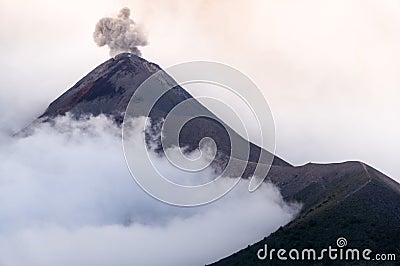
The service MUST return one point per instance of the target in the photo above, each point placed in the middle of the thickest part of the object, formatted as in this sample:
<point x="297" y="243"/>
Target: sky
<point x="329" y="70"/>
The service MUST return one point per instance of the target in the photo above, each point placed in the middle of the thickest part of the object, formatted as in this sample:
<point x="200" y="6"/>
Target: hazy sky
<point x="329" y="69"/>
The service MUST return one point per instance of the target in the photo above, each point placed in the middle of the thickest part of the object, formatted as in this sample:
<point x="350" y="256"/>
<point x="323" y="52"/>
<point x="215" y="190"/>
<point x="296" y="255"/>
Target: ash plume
<point x="120" y="34"/>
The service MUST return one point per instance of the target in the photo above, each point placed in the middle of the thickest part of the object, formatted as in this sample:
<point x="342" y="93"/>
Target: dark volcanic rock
<point x="108" y="89"/>
<point x="105" y="90"/>
<point x="349" y="200"/>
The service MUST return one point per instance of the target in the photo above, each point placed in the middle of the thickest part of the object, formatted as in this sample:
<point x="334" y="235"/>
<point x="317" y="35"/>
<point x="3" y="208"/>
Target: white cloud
<point x="328" y="70"/>
<point x="66" y="198"/>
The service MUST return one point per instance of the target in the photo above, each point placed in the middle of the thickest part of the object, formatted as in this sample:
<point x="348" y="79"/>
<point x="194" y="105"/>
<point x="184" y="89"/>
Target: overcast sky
<point x="329" y="69"/>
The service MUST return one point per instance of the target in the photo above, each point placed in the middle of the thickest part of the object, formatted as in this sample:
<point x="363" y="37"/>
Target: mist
<point x="67" y="198"/>
<point x="328" y="70"/>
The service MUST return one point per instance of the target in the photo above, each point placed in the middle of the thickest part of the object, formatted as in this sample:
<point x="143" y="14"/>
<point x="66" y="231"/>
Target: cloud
<point x="120" y="34"/>
<point x="67" y="198"/>
<point x="328" y="70"/>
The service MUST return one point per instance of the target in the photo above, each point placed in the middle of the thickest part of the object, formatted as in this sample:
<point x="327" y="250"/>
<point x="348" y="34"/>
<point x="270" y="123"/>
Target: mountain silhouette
<point x="109" y="87"/>
<point x="350" y="199"/>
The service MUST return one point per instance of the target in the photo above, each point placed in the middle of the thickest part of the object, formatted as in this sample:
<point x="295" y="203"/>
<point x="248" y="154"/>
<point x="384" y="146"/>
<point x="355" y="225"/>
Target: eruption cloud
<point x="120" y="34"/>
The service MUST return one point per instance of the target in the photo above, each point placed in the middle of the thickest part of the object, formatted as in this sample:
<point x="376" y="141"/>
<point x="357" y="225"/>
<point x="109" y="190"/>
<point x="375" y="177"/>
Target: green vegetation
<point x="361" y="208"/>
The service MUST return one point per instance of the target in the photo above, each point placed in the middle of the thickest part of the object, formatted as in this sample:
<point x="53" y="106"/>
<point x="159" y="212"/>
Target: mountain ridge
<point x="356" y="202"/>
<point x="109" y="87"/>
<point x="350" y="197"/>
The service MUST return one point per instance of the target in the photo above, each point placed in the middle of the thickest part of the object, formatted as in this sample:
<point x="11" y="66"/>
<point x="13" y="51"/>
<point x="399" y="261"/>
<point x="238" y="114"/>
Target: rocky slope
<point x="109" y="87"/>
<point x="350" y="200"/>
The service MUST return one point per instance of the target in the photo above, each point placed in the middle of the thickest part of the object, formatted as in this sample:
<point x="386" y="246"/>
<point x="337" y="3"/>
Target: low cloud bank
<point x="67" y="198"/>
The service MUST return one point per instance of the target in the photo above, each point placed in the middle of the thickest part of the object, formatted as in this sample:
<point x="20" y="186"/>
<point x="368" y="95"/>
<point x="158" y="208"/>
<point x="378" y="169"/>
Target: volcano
<point x="109" y="87"/>
<point x="349" y="199"/>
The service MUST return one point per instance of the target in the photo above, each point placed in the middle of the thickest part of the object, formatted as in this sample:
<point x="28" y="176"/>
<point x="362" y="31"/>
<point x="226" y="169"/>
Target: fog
<point x="67" y="198"/>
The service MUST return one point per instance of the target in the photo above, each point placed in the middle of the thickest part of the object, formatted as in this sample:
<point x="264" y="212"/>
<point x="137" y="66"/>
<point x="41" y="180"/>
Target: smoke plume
<point x="120" y="34"/>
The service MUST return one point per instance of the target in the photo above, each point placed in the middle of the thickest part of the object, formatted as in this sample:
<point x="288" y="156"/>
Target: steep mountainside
<point x="109" y="87"/>
<point x="350" y="200"/>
